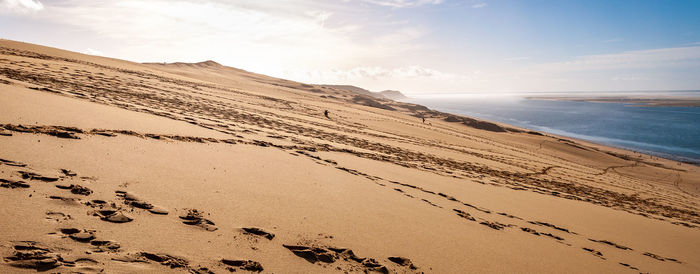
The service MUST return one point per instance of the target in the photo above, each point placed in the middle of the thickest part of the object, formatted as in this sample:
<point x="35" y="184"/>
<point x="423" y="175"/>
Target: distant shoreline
<point x="632" y="101"/>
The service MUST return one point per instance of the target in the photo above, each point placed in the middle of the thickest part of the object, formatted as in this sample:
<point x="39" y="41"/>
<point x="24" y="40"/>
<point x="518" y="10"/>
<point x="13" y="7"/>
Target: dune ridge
<point x="99" y="156"/>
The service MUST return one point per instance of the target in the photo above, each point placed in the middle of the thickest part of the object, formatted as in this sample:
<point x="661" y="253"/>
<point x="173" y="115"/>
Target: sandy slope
<point x="124" y="167"/>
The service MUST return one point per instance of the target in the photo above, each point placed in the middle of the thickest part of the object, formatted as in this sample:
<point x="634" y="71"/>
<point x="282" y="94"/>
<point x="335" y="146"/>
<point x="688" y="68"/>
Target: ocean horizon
<point x="664" y="131"/>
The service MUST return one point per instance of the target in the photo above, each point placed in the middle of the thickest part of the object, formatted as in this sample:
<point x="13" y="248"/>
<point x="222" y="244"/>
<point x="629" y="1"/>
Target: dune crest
<point x="115" y="166"/>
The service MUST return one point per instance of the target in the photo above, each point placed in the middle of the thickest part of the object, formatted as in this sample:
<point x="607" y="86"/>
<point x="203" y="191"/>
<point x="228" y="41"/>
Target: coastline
<point x="624" y="152"/>
<point x="629" y="101"/>
<point x="612" y="147"/>
<point x="634" y="146"/>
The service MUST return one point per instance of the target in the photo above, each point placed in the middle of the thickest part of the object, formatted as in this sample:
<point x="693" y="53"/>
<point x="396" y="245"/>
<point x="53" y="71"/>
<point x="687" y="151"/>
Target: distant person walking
<point x="423" y="117"/>
<point x="325" y="112"/>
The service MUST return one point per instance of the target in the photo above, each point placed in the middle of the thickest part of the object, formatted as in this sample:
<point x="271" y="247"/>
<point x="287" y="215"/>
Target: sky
<point x="415" y="46"/>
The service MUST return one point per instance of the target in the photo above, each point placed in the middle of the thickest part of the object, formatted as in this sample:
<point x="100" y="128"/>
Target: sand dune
<point x="115" y="166"/>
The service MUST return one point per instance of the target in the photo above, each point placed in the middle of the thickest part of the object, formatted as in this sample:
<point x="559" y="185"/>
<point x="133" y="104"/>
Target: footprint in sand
<point x="660" y="258"/>
<point x="68" y="172"/>
<point x="611" y="244"/>
<point x="104" y="245"/>
<point x="65" y="200"/>
<point x="13" y="184"/>
<point x="165" y="259"/>
<point x="333" y="254"/>
<point x="628" y="266"/>
<point x="402" y="261"/>
<point x="594" y="252"/>
<point x="75" y="189"/>
<point x="313" y="254"/>
<point x="135" y="201"/>
<point x="83" y="236"/>
<point x="57" y="216"/>
<point x="373" y="265"/>
<point x="494" y="225"/>
<point x="551" y="226"/>
<point x="31" y="255"/>
<point x="81" y="264"/>
<point x="464" y="215"/>
<point x="88" y="236"/>
<point x="34" y="176"/>
<point x="113" y="215"/>
<point x="12" y="163"/>
<point x="537" y="233"/>
<point x="195" y="218"/>
<point x="242" y="264"/>
<point x="259" y="232"/>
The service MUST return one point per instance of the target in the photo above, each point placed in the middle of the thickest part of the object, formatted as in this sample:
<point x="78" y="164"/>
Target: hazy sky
<point x="411" y="45"/>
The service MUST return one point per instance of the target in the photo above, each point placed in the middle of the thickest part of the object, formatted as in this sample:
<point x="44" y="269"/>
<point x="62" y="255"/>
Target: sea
<point x="669" y="132"/>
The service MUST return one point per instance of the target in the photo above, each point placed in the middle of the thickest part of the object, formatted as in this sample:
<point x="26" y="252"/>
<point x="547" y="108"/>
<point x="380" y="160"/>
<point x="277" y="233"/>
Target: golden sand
<point x="114" y="166"/>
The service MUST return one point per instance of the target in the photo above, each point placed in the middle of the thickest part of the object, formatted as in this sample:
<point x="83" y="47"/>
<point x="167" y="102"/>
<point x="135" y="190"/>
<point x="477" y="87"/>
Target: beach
<point x="661" y="131"/>
<point x="114" y="166"/>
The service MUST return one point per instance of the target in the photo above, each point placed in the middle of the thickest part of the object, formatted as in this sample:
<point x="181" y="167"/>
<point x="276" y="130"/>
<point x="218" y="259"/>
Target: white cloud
<point x="301" y="40"/>
<point x="90" y="51"/>
<point x="479" y="5"/>
<point x="406" y="78"/>
<point x="336" y="42"/>
<point x="370" y="73"/>
<point x="21" y="6"/>
<point x="259" y="36"/>
<point x="320" y="16"/>
<point x="638" y="59"/>
<point x="662" y="68"/>
<point x="418" y="71"/>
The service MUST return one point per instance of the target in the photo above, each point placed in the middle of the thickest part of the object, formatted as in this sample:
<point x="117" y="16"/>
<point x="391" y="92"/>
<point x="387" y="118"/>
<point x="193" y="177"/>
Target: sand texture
<point x="121" y="167"/>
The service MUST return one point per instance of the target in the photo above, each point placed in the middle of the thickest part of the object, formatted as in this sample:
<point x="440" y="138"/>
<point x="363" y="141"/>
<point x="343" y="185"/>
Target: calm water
<point x="672" y="132"/>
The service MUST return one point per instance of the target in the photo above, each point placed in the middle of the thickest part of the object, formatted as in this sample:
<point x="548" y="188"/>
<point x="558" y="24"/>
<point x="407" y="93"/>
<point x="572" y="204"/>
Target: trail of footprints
<point x="329" y="255"/>
<point x="41" y="257"/>
<point x="568" y="188"/>
<point x="112" y="212"/>
<point x="163" y="96"/>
